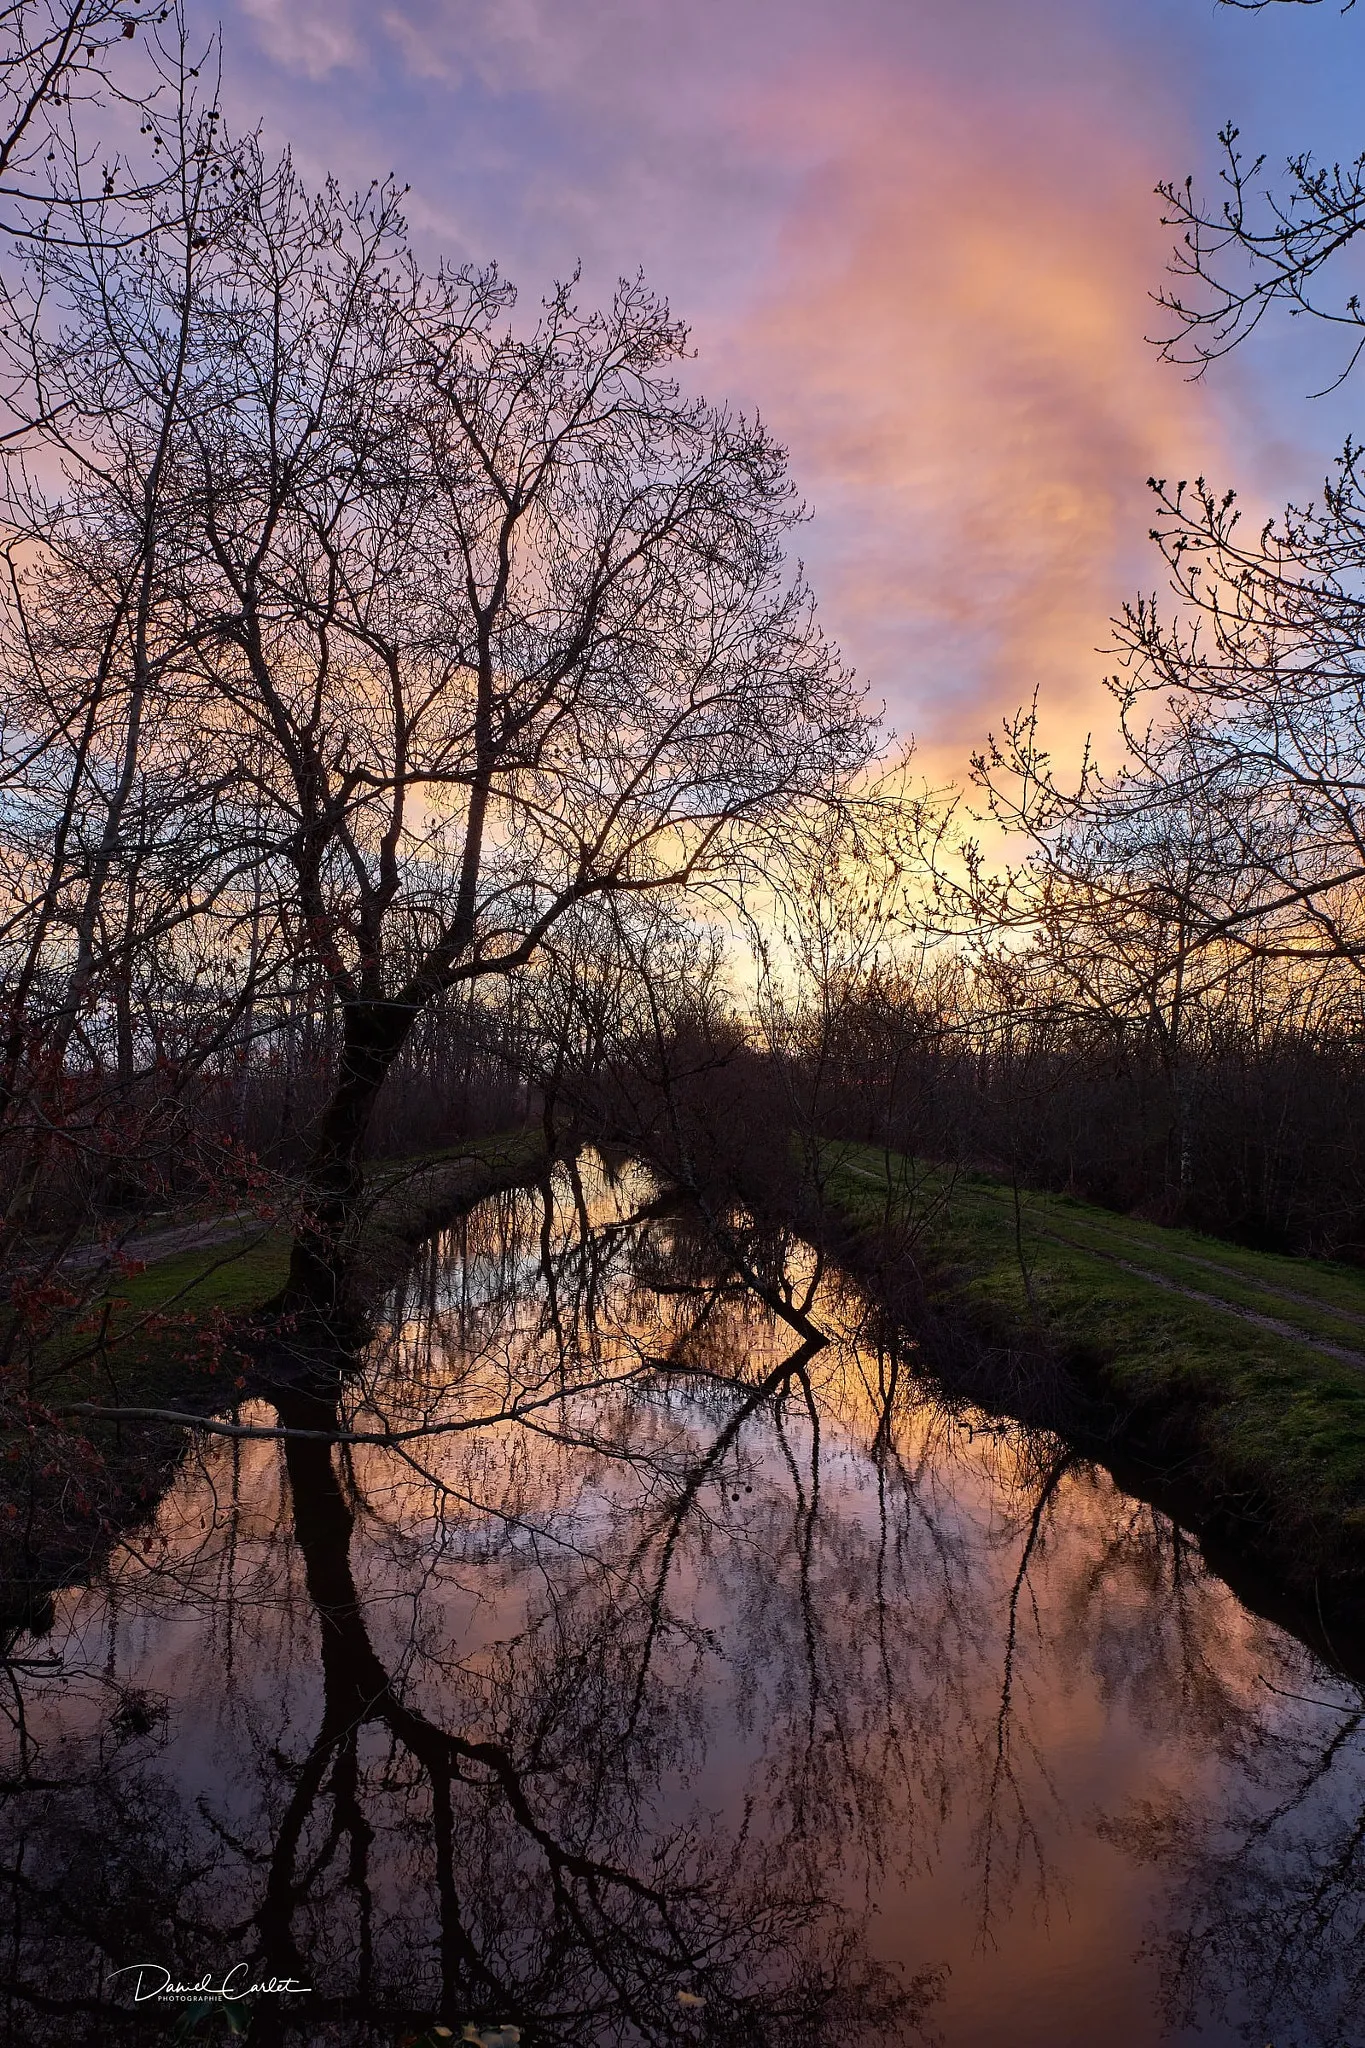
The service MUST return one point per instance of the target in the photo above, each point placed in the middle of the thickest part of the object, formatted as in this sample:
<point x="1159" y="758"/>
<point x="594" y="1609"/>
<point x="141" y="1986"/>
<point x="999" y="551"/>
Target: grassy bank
<point x="228" y="1280"/>
<point x="173" y="1336"/>
<point x="1244" y="1371"/>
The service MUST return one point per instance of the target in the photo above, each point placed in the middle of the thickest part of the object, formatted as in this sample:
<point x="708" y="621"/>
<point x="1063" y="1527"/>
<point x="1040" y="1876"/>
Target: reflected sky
<point x="600" y="1655"/>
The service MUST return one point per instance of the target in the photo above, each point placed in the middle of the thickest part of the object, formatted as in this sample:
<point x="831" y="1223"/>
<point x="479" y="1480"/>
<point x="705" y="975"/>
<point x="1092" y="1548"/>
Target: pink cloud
<point x="952" y="343"/>
<point x="919" y="239"/>
<point x="303" y="36"/>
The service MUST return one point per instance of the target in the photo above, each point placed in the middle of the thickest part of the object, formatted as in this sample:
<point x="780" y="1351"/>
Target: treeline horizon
<point x="1248" y="1128"/>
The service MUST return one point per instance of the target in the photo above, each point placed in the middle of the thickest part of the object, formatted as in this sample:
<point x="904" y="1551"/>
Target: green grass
<point x="236" y="1276"/>
<point x="152" y="1356"/>
<point x="1269" y="1415"/>
<point x="150" y="1363"/>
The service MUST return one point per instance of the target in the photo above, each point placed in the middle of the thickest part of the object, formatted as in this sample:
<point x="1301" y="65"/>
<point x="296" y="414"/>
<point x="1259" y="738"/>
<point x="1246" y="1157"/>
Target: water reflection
<point x="607" y="1655"/>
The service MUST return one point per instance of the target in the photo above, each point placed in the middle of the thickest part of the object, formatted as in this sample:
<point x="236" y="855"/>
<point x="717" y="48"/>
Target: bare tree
<point x="53" y="57"/>
<point x="460" y="623"/>
<point x="110" y="825"/>
<point x="1234" y="826"/>
<point x="1248" y="249"/>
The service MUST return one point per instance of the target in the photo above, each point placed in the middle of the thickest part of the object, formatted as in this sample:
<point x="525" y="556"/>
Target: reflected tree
<point x="591" y="1651"/>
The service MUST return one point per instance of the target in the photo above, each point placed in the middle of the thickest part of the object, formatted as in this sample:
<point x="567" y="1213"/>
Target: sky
<point x="918" y="236"/>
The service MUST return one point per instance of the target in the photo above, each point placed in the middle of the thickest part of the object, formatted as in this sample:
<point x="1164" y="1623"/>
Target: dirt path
<point x="1230" y="1308"/>
<point x="1257" y="1317"/>
<point x="1271" y="1287"/>
<point x="161" y="1244"/>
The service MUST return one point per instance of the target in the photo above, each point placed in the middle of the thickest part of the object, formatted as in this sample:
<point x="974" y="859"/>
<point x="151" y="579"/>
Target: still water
<point x="602" y="1660"/>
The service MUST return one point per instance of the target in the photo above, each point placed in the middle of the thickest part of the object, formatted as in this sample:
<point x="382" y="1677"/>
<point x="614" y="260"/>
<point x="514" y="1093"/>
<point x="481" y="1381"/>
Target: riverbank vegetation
<point x="1239" y="1374"/>
<point x="544" y="1181"/>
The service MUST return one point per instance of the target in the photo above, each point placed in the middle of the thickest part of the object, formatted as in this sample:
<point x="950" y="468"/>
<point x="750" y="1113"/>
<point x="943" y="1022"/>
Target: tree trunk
<point x="325" y="1243"/>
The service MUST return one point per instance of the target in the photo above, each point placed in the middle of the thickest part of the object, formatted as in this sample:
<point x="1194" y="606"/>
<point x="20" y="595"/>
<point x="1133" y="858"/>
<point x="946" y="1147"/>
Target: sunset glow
<point x="921" y="240"/>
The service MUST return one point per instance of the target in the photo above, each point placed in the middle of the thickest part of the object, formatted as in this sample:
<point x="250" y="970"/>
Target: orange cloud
<point x="952" y="344"/>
